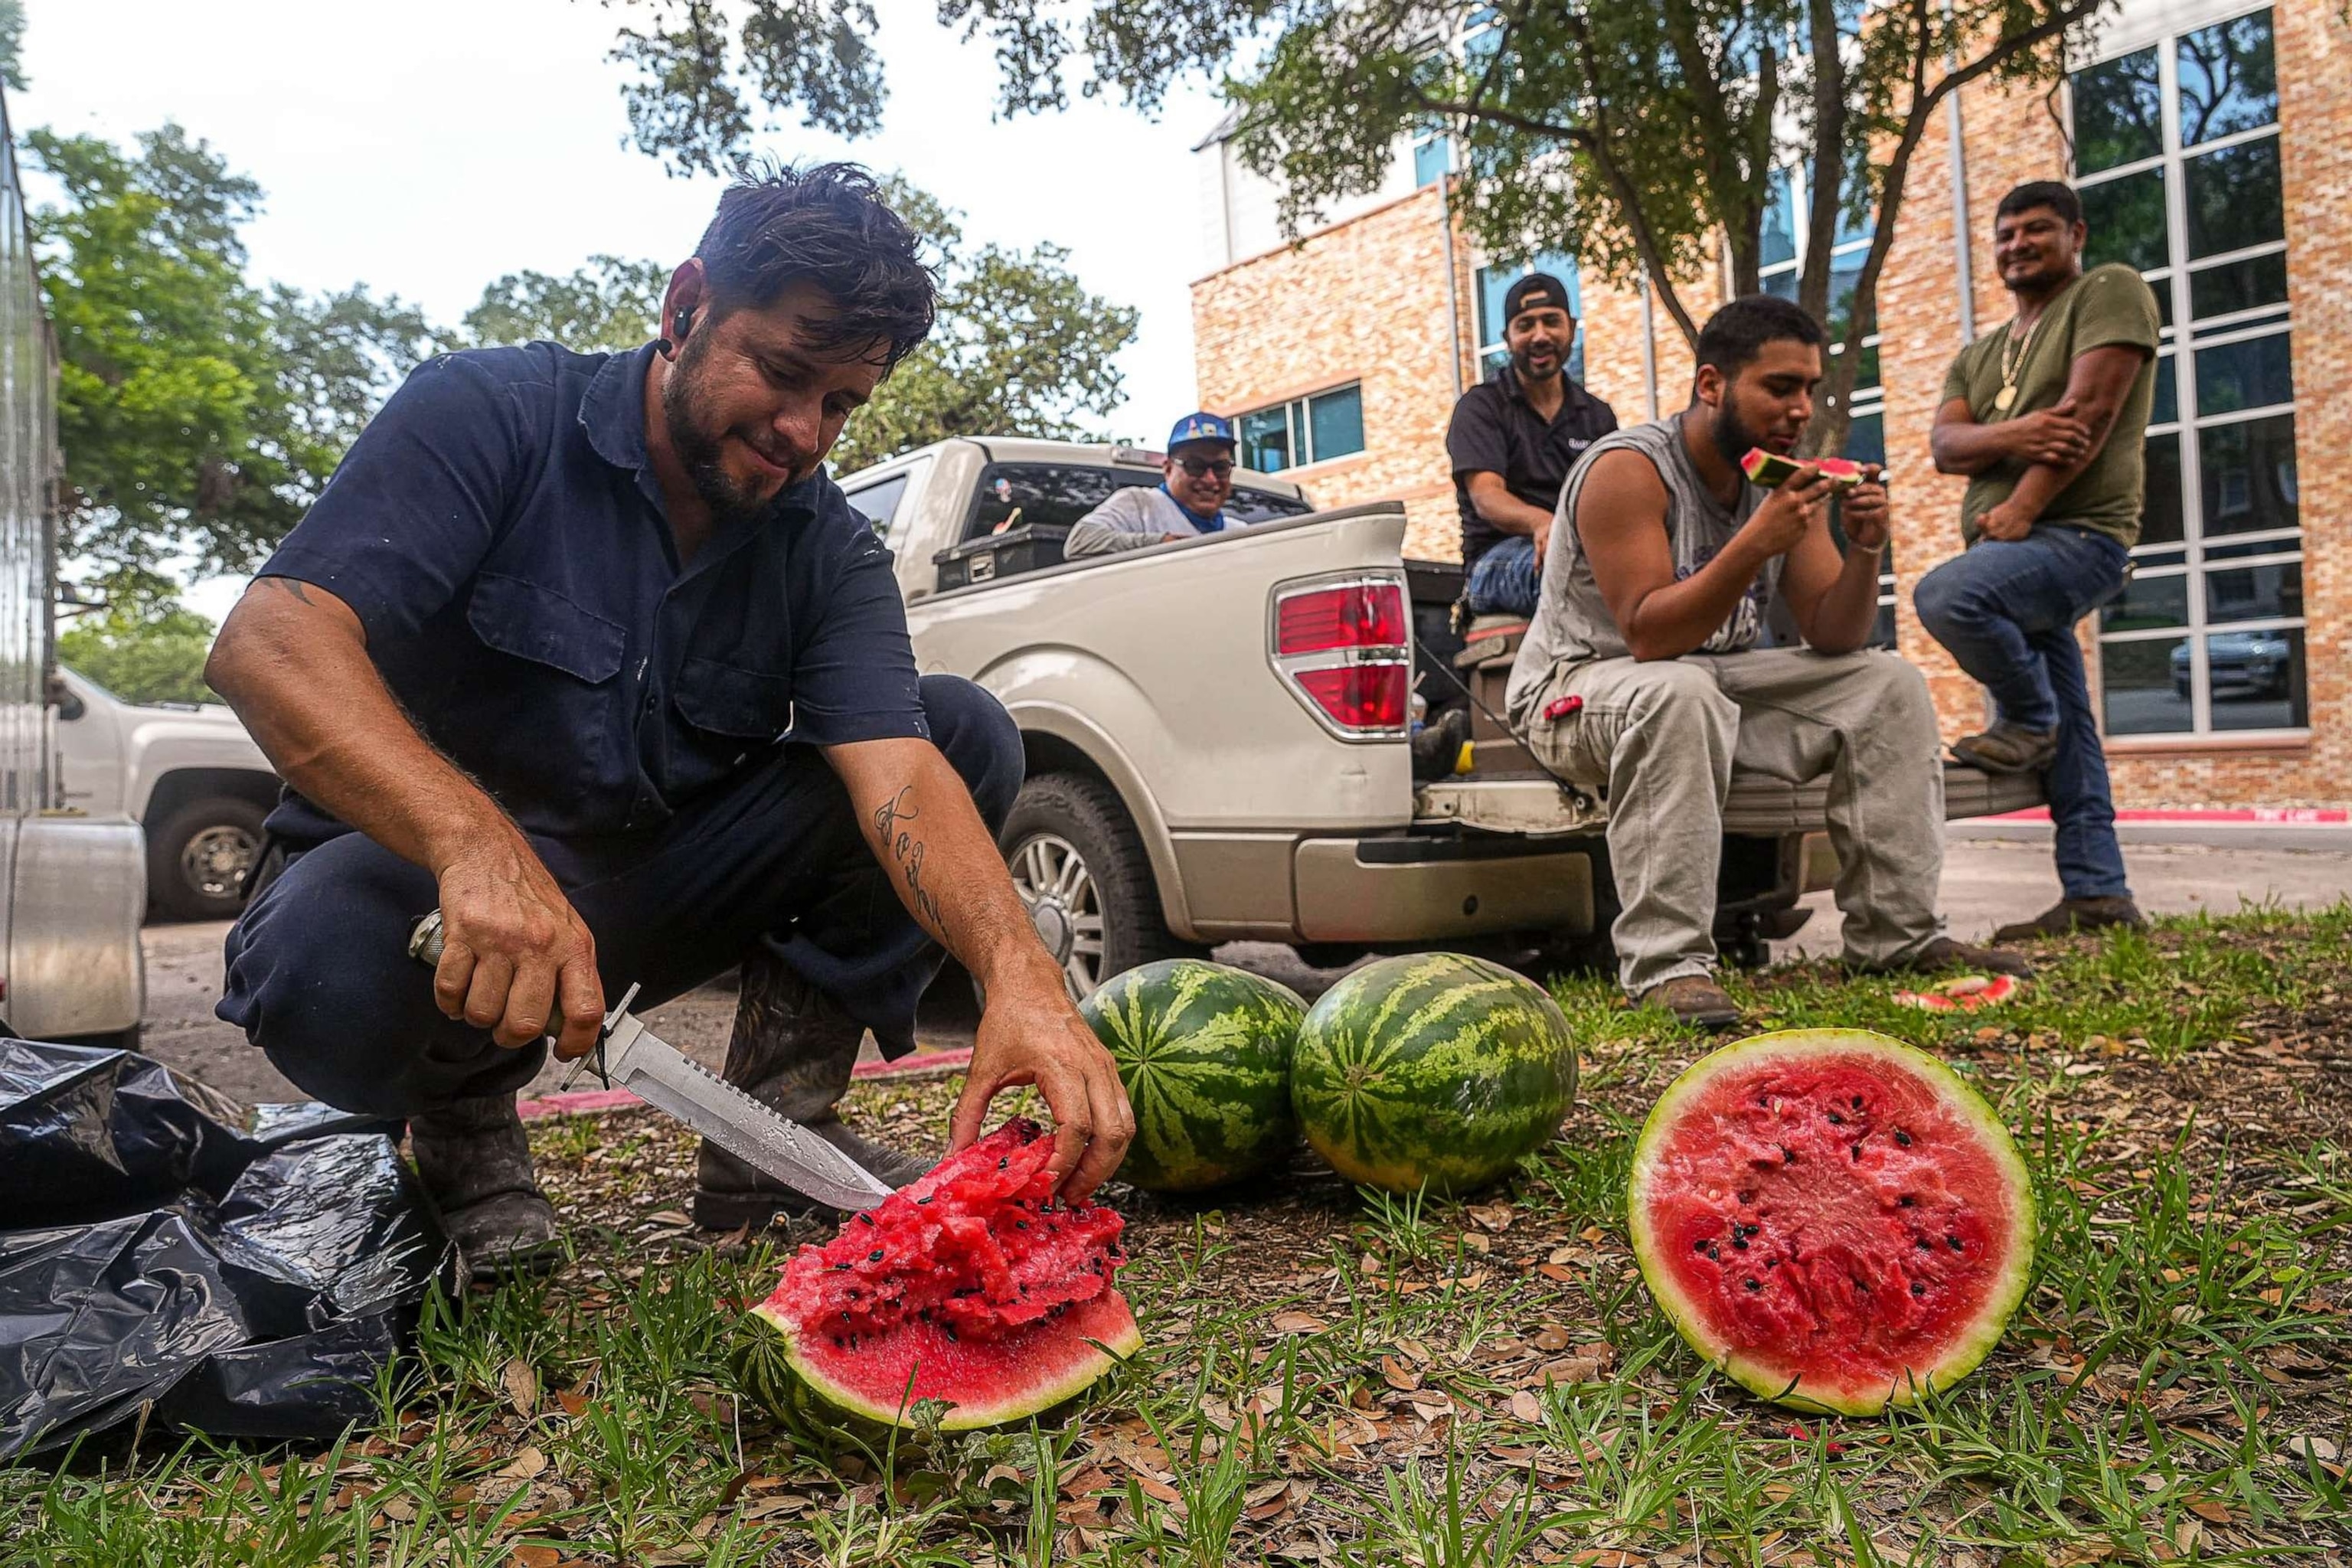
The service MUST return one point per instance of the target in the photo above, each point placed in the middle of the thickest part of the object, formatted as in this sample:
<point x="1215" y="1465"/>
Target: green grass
<point x="1354" y="1379"/>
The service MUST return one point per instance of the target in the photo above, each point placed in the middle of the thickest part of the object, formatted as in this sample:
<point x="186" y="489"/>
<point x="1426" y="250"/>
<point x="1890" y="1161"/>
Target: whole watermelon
<point x="1434" y="1067"/>
<point x="1205" y="1052"/>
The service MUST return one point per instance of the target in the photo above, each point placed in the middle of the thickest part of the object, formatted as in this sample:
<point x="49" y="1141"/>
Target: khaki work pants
<point x="1665" y="737"/>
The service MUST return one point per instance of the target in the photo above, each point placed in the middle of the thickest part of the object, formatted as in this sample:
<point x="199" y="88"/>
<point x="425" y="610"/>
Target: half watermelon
<point x="1832" y="1219"/>
<point x="971" y="1287"/>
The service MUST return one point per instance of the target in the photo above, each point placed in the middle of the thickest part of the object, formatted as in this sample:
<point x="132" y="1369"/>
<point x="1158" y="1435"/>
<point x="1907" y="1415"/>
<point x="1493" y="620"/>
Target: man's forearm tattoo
<point x="909" y="852"/>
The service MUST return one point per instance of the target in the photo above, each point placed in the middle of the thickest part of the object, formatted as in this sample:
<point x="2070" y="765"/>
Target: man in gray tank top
<point x="1642" y="674"/>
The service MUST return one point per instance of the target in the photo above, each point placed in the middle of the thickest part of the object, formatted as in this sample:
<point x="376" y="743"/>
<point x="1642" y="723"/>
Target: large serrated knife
<point x="632" y="1057"/>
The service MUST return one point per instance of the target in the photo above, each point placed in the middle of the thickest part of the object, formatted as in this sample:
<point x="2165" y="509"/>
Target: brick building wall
<point x="1381" y="277"/>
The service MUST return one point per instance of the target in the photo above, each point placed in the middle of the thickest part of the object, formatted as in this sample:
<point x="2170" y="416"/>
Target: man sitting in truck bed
<point x="1190" y="500"/>
<point x="1641" y="672"/>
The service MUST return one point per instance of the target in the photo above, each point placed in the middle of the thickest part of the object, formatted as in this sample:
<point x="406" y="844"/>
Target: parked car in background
<point x="187" y="773"/>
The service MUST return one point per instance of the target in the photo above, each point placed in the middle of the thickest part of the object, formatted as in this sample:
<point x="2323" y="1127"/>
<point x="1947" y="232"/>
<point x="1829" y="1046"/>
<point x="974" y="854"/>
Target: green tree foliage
<point x="11" y="45"/>
<point x="142" y="651"/>
<point x="199" y="415"/>
<point x="1645" y="136"/>
<point x="610" y="303"/>
<point x="1021" y="345"/>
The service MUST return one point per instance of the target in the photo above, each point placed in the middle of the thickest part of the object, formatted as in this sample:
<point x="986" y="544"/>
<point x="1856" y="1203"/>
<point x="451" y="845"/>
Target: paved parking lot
<point x="1993" y="873"/>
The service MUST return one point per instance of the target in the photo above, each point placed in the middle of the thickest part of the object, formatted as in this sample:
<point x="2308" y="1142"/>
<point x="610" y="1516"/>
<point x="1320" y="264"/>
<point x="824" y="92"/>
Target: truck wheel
<point x="1080" y="866"/>
<point x="200" y="857"/>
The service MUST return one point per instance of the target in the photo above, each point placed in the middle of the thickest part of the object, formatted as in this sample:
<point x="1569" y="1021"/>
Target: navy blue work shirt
<point x="500" y="532"/>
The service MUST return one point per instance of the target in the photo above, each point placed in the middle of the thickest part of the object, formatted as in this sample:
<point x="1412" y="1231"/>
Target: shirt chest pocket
<point x="734" y="700"/>
<point x="517" y="616"/>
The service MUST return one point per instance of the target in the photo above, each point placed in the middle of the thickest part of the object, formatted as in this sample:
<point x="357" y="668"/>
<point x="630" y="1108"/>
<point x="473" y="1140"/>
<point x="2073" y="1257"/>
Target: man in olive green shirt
<point x="2048" y="419"/>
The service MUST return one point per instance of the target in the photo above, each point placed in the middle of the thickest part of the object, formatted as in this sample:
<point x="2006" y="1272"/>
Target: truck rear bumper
<point x="1414" y="888"/>
<point x="1757" y="806"/>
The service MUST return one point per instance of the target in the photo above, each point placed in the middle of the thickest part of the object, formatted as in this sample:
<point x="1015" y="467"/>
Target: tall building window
<point x="1495" y="287"/>
<point x="1311" y="429"/>
<point x="2176" y="157"/>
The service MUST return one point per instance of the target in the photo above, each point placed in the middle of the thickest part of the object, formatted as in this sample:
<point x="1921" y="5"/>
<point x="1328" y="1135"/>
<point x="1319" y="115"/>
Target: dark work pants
<point x="2005" y="610"/>
<point x="319" y="976"/>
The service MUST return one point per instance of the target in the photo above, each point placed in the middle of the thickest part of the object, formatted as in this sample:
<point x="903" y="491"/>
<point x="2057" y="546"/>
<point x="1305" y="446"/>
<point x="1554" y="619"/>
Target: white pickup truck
<point x="1218" y="729"/>
<point x="188" y="773"/>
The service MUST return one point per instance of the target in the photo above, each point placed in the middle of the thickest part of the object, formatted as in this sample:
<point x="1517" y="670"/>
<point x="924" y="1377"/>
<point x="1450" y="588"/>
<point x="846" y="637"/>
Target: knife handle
<point x="424" y="941"/>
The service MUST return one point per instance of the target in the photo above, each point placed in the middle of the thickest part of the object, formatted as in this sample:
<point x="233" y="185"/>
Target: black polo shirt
<point x="500" y="532"/>
<point x="1496" y="431"/>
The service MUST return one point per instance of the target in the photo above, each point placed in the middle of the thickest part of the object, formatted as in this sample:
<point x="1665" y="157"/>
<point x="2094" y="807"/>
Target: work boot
<point x="2073" y="915"/>
<point x="475" y="1164"/>
<point x="1944" y="952"/>
<point x="1694" y="999"/>
<point x="2008" y="748"/>
<point x="1437" y="748"/>
<point x="793" y="1049"/>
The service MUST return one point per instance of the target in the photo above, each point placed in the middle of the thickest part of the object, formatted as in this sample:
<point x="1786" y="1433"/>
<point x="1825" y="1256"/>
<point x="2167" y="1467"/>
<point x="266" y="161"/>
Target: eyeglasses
<point x="1200" y="467"/>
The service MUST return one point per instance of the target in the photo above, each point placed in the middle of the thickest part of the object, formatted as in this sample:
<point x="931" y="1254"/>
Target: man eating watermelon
<point x="589" y="652"/>
<point x="1645" y="673"/>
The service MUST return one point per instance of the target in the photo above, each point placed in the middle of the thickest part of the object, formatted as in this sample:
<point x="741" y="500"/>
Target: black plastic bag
<point x="242" y="1273"/>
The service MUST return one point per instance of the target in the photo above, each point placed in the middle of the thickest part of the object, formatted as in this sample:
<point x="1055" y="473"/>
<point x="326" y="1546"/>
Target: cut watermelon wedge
<point x="1772" y="470"/>
<point x="971" y="1288"/>
<point x="1832" y="1219"/>
<point x="1965" y="995"/>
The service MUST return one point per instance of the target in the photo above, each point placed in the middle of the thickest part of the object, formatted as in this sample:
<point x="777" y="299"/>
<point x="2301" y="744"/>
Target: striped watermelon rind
<point x="1205" y="1052"/>
<point x="2004" y="1291"/>
<point x="1431" y="1068"/>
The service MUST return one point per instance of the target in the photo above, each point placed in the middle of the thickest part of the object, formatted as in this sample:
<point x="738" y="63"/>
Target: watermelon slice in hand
<point x="1832" y="1219"/>
<point x="971" y="1286"/>
<point x="1772" y="470"/>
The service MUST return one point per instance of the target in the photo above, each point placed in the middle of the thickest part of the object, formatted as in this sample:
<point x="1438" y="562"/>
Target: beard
<point x="1525" y="373"/>
<point x="699" y="441"/>
<point x="1733" y="438"/>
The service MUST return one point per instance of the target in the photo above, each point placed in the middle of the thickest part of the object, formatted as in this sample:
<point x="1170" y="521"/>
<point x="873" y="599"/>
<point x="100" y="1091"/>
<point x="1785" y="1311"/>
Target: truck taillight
<point x="1344" y="646"/>
<point x="1356" y="614"/>
<point x="1359" y="696"/>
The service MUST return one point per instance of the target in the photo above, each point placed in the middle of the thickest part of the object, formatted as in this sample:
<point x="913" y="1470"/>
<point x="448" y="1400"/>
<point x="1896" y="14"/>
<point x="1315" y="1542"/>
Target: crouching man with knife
<point x="589" y="652"/>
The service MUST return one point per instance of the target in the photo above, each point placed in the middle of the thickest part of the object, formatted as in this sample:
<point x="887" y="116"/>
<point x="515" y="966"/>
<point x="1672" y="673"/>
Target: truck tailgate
<point x="1764" y="807"/>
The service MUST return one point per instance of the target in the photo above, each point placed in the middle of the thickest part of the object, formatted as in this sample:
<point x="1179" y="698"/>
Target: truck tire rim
<point x="1052" y="879"/>
<point x="217" y="860"/>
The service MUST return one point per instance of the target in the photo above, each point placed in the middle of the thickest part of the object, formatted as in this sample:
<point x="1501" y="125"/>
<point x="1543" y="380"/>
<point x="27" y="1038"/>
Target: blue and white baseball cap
<point x="1201" y="426"/>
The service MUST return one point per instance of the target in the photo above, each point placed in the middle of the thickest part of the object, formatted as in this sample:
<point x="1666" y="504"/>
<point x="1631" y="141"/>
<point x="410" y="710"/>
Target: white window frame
<point x="2180" y="345"/>
<point x="1301" y="429"/>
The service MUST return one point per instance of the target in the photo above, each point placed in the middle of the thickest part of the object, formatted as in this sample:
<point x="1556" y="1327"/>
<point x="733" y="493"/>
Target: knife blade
<point x="665" y="1077"/>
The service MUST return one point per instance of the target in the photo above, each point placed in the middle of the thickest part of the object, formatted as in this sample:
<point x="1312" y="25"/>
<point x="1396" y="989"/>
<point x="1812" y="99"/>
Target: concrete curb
<point x="595" y="1101"/>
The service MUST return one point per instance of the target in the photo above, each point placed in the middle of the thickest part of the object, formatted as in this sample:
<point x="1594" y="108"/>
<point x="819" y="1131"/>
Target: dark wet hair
<point x="2055" y="195"/>
<point x="827" y="225"/>
<point x="1736" y="333"/>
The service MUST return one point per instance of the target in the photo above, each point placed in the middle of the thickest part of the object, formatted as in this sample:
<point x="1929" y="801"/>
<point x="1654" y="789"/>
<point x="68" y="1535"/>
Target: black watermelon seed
<point x="1857" y="1102"/>
<point x="1835" y="1119"/>
<point x="1748" y="1196"/>
<point x="1905" y="1201"/>
<point x="1752" y="1229"/>
<point x="864" y="1218"/>
<point x="1919" y="1290"/>
<point x="843" y="1267"/>
<point x="922" y="1200"/>
<point x="1699" y="1245"/>
<point x="1788" y="1155"/>
<point x="875" y="1256"/>
<point x="1925" y="1245"/>
<point x="1021" y="1225"/>
<point x="1904" y="1139"/>
<point x="1713" y="1253"/>
<point x="1856" y="1150"/>
<point x="1953" y="1242"/>
<point x="1756" y="1284"/>
<point x="1739" y="1244"/>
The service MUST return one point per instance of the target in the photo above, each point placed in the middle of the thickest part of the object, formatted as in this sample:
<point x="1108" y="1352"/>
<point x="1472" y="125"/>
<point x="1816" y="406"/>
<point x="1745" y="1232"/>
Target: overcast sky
<point x="427" y="147"/>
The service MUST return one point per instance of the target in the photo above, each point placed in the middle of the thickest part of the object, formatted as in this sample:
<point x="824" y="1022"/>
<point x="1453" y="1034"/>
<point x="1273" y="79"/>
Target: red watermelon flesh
<point x="971" y="1286"/>
<point x="1832" y="1218"/>
<point x="1772" y="470"/>
<point x="1965" y="995"/>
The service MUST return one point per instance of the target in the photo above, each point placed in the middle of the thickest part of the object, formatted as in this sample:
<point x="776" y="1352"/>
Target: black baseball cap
<point x="1535" y="288"/>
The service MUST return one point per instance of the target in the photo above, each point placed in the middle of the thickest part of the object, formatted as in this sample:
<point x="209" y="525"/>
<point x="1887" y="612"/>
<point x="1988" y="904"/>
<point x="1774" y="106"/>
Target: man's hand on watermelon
<point x="944" y="865"/>
<point x="1863" y="512"/>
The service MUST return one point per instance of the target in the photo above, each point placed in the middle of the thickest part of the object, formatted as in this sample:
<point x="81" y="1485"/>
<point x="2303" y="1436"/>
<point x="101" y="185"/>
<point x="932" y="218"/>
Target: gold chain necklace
<point x="2011" y="368"/>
